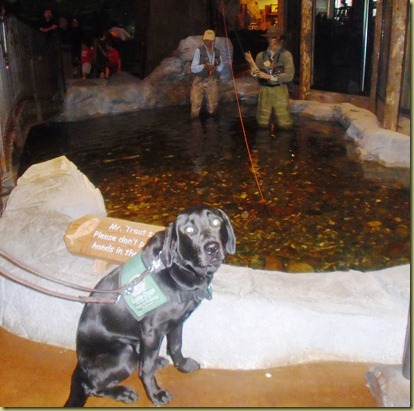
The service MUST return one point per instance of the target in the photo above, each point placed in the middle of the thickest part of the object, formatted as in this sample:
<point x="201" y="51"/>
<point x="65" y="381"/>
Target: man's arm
<point x="196" y="67"/>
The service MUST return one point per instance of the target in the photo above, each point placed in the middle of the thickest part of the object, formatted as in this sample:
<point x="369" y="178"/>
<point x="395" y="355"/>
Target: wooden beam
<point x="306" y="34"/>
<point x="397" y="48"/>
<point x="376" y="57"/>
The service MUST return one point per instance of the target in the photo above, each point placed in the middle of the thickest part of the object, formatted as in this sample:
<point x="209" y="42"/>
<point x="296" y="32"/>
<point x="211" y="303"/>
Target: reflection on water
<point x="321" y="213"/>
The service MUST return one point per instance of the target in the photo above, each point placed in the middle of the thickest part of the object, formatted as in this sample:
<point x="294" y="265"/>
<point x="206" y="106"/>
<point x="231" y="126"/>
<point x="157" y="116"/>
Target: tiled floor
<point x="38" y="375"/>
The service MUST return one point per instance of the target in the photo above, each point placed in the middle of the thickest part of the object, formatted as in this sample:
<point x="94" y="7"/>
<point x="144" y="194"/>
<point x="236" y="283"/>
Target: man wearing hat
<point x="273" y="68"/>
<point x="206" y="65"/>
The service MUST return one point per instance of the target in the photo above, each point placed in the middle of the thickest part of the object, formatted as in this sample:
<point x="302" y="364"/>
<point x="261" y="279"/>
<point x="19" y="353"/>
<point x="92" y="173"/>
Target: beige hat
<point x="209" y="35"/>
<point x="273" y="32"/>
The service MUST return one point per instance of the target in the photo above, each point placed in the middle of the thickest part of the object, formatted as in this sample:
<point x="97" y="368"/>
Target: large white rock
<point x="260" y="319"/>
<point x="256" y="319"/>
<point x="387" y="147"/>
<point x="49" y="186"/>
<point x="47" y="198"/>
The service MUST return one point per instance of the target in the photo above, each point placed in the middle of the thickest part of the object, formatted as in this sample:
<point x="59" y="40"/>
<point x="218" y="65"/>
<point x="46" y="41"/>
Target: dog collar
<point x="197" y="295"/>
<point x="145" y="295"/>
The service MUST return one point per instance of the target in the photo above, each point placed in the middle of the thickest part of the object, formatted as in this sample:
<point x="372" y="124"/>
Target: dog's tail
<point x="77" y="396"/>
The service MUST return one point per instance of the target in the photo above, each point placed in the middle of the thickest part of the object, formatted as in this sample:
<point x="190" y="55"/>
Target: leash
<point x="126" y="289"/>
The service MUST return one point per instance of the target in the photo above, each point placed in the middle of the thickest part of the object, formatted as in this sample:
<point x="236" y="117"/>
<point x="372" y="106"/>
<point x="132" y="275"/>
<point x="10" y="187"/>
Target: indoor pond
<point x="299" y="200"/>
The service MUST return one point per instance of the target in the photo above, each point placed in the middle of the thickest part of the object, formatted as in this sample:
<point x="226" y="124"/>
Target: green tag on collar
<point x="146" y="295"/>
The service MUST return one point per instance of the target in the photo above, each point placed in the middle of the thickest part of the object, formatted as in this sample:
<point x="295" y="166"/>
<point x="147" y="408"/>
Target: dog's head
<point x="196" y="242"/>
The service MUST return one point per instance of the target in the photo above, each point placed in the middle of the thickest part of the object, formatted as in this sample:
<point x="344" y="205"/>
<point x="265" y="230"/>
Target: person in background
<point x="86" y="60"/>
<point x="48" y="25"/>
<point x="100" y="55"/>
<point x="114" y="64"/>
<point x="3" y="10"/>
<point x="65" y="34"/>
<point x="273" y="68"/>
<point x="206" y="66"/>
<point x="77" y="37"/>
<point x="66" y="44"/>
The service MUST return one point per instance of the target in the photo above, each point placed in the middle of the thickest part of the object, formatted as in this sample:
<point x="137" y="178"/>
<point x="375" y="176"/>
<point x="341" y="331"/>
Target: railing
<point x="31" y="87"/>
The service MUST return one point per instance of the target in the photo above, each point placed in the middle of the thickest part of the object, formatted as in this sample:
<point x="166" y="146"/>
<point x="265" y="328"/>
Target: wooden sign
<point x="109" y="239"/>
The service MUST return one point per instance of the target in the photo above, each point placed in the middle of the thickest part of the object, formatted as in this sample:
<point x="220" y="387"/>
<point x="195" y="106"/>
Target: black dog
<point x="112" y="340"/>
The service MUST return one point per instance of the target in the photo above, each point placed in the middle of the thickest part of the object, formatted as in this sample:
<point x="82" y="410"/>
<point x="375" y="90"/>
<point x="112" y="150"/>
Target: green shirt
<point x="282" y="66"/>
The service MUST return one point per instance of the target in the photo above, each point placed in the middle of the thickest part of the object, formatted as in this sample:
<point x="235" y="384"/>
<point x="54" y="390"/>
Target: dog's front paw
<point x="128" y="396"/>
<point x="162" y="397"/>
<point x="188" y="365"/>
<point x="119" y="393"/>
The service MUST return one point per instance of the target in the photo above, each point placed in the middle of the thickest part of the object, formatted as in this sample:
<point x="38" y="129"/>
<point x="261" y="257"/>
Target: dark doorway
<point x="344" y="32"/>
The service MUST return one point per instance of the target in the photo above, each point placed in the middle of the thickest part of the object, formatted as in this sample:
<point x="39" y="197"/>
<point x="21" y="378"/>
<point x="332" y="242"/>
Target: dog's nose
<point x="212" y="247"/>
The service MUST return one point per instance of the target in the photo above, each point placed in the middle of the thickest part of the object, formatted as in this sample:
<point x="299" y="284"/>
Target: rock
<point x="299" y="267"/>
<point x="387" y="147"/>
<point x="388" y="385"/>
<point x="46" y="199"/>
<point x="50" y="186"/>
<point x="274" y="263"/>
<point x="402" y="231"/>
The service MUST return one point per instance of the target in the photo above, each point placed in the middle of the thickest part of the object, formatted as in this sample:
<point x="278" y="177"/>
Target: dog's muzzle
<point x="212" y="248"/>
<point x="212" y="255"/>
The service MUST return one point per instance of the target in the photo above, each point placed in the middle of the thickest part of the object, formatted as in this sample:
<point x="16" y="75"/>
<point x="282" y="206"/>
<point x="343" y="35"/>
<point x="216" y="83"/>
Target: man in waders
<point x="273" y="68"/>
<point x="206" y="66"/>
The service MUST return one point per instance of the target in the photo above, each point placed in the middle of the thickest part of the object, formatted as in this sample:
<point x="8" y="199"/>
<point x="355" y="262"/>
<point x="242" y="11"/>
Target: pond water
<point x="311" y="205"/>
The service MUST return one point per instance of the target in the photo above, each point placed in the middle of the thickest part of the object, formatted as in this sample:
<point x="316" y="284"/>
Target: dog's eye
<point x="216" y="222"/>
<point x="189" y="230"/>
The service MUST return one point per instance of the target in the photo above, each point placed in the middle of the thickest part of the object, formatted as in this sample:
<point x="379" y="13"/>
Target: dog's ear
<point x="230" y="244"/>
<point x="152" y="248"/>
<point x="169" y="248"/>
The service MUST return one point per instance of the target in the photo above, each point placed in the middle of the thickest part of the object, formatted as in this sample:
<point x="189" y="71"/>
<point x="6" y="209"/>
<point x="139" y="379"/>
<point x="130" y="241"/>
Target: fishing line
<point x="253" y="167"/>
<point x="225" y="10"/>
<point x="239" y="110"/>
